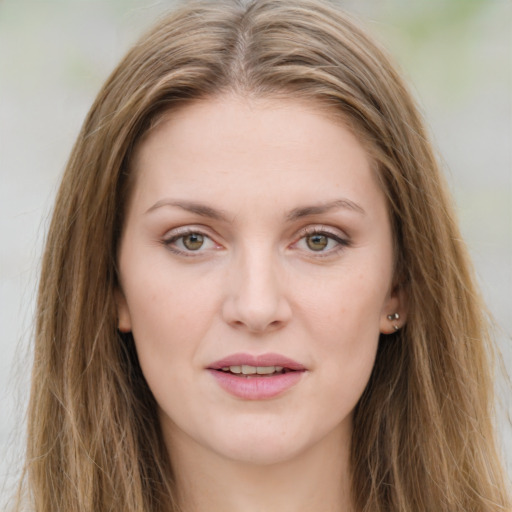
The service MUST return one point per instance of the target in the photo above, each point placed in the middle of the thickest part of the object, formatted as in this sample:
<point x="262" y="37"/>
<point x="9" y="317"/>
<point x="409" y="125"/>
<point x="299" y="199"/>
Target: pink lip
<point x="255" y="387"/>
<point x="260" y="360"/>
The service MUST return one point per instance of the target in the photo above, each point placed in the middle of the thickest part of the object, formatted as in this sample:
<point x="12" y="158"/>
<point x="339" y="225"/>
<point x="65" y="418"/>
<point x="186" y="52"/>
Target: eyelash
<point x="342" y="243"/>
<point x="181" y="233"/>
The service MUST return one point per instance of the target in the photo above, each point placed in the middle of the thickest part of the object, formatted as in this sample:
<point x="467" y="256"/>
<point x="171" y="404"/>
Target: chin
<point x="260" y="452"/>
<point x="262" y="443"/>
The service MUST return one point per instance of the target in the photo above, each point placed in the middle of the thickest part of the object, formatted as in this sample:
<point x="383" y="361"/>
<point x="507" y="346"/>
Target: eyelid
<point x="185" y="230"/>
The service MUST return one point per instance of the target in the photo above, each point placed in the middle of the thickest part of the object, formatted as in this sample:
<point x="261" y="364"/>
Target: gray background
<point x="54" y="55"/>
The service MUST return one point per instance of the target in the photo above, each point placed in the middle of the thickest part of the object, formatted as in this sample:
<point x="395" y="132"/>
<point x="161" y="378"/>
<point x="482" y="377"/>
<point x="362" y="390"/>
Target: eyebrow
<point x="193" y="207"/>
<point x="295" y="214"/>
<point x="307" y="211"/>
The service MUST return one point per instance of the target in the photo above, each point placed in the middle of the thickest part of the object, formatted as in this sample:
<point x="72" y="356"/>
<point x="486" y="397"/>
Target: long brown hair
<point x="423" y="435"/>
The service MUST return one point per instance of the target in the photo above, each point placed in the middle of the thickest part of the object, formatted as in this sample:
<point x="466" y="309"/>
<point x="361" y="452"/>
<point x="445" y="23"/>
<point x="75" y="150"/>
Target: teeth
<point x="265" y="370"/>
<point x="246" y="369"/>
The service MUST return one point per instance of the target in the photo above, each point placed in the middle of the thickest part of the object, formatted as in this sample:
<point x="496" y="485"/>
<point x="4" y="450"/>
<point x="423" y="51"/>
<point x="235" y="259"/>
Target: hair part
<point x="423" y="434"/>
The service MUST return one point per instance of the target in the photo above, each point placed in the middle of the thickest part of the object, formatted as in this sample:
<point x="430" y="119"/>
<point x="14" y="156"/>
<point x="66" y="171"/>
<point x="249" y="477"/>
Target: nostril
<point x="255" y="312"/>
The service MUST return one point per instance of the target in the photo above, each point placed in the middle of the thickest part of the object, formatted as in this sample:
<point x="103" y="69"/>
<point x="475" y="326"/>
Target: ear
<point x="394" y="312"/>
<point x="124" y="321"/>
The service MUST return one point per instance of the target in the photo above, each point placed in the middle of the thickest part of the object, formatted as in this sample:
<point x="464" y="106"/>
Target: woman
<point x="254" y="294"/>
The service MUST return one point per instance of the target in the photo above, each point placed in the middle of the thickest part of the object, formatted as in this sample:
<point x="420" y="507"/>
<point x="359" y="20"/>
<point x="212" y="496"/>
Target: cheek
<point x="346" y="304"/>
<point x="161" y="296"/>
<point x="169" y="315"/>
<point x="344" y="320"/>
<point x="167" y="328"/>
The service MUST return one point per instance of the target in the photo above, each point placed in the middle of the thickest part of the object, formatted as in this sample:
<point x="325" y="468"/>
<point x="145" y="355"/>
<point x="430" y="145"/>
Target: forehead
<point x="253" y="146"/>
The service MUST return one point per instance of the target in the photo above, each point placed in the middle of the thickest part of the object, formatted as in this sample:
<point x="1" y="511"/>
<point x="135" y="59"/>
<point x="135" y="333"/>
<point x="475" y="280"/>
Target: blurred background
<point x="55" y="54"/>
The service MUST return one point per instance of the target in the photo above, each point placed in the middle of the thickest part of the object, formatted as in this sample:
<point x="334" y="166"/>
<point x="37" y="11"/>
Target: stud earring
<point x="394" y="316"/>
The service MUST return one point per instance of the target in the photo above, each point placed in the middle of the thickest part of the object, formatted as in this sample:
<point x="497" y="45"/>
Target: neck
<point x="317" y="479"/>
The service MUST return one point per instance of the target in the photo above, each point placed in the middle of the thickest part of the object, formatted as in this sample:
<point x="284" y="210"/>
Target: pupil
<point x="193" y="242"/>
<point x="317" y="242"/>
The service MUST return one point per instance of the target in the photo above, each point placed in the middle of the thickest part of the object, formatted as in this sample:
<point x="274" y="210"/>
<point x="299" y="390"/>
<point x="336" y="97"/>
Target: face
<point x="256" y="276"/>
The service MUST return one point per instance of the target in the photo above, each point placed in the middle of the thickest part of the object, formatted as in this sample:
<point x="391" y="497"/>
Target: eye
<point x="320" y="241"/>
<point x="186" y="242"/>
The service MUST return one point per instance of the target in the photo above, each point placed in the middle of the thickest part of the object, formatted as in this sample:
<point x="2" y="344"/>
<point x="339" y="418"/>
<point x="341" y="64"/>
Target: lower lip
<point x="256" y="387"/>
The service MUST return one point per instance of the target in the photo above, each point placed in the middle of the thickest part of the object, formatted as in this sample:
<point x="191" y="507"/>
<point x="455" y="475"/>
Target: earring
<point x="394" y="316"/>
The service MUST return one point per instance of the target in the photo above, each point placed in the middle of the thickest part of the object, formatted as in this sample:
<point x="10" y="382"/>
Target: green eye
<point x="193" y="241"/>
<point x="317" y="242"/>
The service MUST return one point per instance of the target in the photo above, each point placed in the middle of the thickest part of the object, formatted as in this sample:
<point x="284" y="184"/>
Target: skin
<point x="260" y="282"/>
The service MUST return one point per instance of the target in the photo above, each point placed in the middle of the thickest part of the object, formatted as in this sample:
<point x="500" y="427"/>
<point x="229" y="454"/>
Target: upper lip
<point x="257" y="360"/>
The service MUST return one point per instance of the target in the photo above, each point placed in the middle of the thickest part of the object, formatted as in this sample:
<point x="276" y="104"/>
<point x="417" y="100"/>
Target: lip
<point x="257" y="360"/>
<point x="255" y="387"/>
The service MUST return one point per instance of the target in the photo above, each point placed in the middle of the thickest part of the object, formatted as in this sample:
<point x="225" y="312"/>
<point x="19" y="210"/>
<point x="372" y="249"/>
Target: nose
<point x="255" y="300"/>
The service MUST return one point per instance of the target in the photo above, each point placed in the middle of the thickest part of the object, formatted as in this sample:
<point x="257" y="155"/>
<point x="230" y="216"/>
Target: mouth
<point x="257" y="377"/>
<point x="248" y="371"/>
<point x="246" y="365"/>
